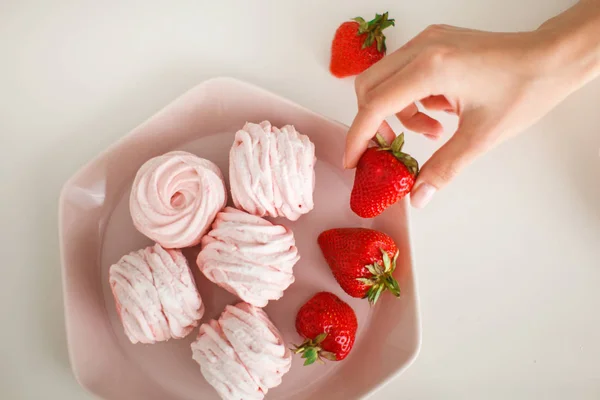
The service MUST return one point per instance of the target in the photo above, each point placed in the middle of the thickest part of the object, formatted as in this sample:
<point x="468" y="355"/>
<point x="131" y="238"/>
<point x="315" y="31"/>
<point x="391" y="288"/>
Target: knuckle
<point x="435" y="27"/>
<point x="437" y="55"/>
<point x="370" y="104"/>
<point x="366" y="102"/>
<point x="433" y="30"/>
<point x="359" y="85"/>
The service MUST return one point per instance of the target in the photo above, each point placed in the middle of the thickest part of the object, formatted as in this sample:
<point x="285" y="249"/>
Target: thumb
<point x="443" y="166"/>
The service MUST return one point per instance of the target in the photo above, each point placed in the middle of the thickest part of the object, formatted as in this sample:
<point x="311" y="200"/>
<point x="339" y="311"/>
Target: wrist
<point x="570" y="44"/>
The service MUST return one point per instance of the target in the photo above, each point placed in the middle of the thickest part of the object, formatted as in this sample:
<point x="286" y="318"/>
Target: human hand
<point x="497" y="83"/>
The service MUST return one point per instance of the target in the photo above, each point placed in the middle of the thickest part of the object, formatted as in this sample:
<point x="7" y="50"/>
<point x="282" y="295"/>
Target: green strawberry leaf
<point x="319" y="339"/>
<point x="309" y="362"/>
<point x="381" y="140"/>
<point x="398" y="143"/>
<point x="371" y="269"/>
<point x="378" y="293"/>
<point x="366" y="281"/>
<point x="387" y="262"/>
<point x="361" y="21"/>
<point x="378" y="268"/>
<point x="368" y="41"/>
<point x="392" y="285"/>
<point x="310" y="355"/>
<point x="380" y="43"/>
<point x="374" y="30"/>
<point x="387" y="24"/>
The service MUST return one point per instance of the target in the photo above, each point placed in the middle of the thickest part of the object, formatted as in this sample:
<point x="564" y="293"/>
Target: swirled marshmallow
<point x="249" y="256"/>
<point x="155" y="295"/>
<point x="242" y="355"/>
<point x="271" y="171"/>
<point x="175" y="197"/>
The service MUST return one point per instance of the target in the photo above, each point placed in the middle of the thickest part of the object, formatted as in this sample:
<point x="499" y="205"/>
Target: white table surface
<point x="508" y="256"/>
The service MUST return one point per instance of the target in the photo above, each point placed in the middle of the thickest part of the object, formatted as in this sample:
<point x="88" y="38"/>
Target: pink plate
<point x="96" y="230"/>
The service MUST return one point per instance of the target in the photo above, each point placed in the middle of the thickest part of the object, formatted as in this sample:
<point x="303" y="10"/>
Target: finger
<point x="386" y="67"/>
<point x="443" y="166"/>
<point x="424" y="124"/>
<point x="401" y="89"/>
<point x="437" y="103"/>
<point x="408" y="112"/>
<point x="387" y="132"/>
<point x="387" y="98"/>
<point x="363" y="128"/>
<point x="420" y="122"/>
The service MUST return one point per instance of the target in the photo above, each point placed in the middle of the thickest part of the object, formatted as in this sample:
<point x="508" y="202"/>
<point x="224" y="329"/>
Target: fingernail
<point x="422" y="195"/>
<point x="344" y="162"/>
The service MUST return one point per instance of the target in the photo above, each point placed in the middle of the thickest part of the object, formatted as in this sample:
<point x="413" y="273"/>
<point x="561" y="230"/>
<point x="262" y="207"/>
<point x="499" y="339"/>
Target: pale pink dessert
<point x="249" y="256"/>
<point x="271" y="171"/>
<point x="242" y="355"/>
<point x="155" y="295"/>
<point x="175" y="198"/>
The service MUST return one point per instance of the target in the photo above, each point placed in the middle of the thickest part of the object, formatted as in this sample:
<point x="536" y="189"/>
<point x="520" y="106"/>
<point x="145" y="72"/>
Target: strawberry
<point x="384" y="175"/>
<point x="358" y="44"/>
<point x="329" y="326"/>
<point x="362" y="261"/>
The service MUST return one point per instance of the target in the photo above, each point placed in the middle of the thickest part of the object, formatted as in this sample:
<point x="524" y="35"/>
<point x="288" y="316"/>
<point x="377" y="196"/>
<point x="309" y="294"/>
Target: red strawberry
<point x="358" y="44"/>
<point x="383" y="176"/>
<point x="362" y="261"/>
<point x="329" y="326"/>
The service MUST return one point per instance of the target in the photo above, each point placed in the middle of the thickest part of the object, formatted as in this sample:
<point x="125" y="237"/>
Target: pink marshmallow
<point x="242" y="355"/>
<point x="249" y="256"/>
<point x="175" y="197"/>
<point x="155" y="295"/>
<point x="271" y="171"/>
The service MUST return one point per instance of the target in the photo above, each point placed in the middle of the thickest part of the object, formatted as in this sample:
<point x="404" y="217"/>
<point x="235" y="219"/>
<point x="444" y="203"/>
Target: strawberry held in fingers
<point x="329" y="326"/>
<point x="384" y="175"/>
<point x="358" y="44"/>
<point x="361" y="260"/>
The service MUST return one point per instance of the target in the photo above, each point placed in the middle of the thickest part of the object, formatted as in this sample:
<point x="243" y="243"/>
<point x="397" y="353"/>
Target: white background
<point x="508" y="256"/>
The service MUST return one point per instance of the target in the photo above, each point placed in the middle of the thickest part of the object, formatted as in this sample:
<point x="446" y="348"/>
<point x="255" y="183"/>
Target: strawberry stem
<point x="374" y="30"/>
<point x="382" y="278"/>
<point x="396" y="149"/>
<point x="312" y="352"/>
